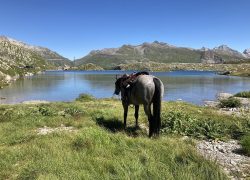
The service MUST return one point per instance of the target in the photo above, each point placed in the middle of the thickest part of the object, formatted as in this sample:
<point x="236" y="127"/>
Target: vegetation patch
<point x="85" y="97"/>
<point x="183" y="124"/>
<point x="177" y="122"/>
<point x="230" y="103"/>
<point x="243" y="94"/>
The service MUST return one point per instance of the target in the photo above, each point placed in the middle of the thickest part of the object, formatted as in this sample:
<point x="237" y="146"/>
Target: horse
<point x="143" y="89"/>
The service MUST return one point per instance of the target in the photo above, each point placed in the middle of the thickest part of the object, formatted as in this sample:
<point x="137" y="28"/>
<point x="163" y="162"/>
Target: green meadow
<point x="97" y="146"/>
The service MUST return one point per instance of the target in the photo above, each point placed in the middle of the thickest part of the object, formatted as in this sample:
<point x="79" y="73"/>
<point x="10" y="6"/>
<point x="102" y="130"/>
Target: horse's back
<point x="144" y="89"/>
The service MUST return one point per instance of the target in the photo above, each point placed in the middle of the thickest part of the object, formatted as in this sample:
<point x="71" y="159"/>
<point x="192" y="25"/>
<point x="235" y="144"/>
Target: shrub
<point x="46" y="111"/>
<point x="230" y="103"/>
<point x="245" y="142"/>
<point x="85" y="97"/>
<point x="73" y="111"/>
<point x="244" y="94"/>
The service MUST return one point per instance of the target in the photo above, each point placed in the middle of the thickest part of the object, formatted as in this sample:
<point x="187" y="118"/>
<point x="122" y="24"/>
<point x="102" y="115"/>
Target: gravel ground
<point x="228" y="155"/>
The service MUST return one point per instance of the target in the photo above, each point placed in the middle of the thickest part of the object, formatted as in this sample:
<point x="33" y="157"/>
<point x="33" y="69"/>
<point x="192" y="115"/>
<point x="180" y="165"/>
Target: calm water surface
<point x="191" y="86"/>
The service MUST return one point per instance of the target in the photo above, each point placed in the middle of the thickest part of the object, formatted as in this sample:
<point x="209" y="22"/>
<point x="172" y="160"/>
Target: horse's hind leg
<point x="147" y="109"/>
<point x="125" y="108"/>
<point x="136" y="115"/>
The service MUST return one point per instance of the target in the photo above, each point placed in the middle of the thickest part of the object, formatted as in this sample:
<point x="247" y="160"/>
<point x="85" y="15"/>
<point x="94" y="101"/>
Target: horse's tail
<point x="157" y="105"/>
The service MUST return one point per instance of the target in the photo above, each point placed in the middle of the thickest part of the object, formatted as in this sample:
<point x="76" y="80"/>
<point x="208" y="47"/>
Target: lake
<point x="190" y="86"/>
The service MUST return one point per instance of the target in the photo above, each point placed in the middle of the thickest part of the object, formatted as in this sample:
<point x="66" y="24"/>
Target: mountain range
<point x="18" y="58"/>
<point x="162" y="53"/>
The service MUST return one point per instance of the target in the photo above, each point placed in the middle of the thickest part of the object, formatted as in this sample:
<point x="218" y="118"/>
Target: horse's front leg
<point x="136" y="115"/>
<point x="125" y="108"/>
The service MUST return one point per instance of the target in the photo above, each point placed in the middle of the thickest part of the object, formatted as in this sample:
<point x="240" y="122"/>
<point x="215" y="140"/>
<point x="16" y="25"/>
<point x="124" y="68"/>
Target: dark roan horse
<point x="145" y="89"/>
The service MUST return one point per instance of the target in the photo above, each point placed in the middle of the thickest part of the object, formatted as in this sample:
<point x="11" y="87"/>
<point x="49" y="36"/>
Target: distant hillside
<point x="47" y="54"/>
<point x="161" y="53"/>
<point x="18" y="59"/>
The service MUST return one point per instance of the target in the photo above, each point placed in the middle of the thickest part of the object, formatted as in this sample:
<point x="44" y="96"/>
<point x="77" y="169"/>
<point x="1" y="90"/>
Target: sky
<point x="75" y="27"/>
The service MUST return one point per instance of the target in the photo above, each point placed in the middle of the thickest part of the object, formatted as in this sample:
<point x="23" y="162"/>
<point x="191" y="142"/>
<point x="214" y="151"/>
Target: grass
<point x="243" y="94"/>
<point x="201" y="122"/>
<point x="100" y="148"/>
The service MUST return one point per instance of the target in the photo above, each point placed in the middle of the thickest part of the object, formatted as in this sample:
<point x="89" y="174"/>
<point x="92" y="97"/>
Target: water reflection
<point x="191" y="86"/>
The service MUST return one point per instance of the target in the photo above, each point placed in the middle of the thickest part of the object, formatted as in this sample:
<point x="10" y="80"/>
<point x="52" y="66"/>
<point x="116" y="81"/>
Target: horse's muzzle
<point x="117" y="92"/>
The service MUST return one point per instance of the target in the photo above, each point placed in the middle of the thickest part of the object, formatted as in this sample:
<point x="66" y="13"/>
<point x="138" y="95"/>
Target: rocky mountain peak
<point x="204" y="49"/>
<point x="246" y="52"/>
<point x="3" y="38"/>
<point x="19" y="43"/>
<point x="224" y="49"/>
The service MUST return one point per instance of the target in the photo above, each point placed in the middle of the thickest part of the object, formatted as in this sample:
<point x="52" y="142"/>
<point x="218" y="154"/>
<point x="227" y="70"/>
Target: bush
<point x="73" y="111"/>
<point x="244" y="94"/>
<point x="245" y="142"/>
<point x="46" y="111"/>
<point x="85" y="97"/>
<point x="230" y="103"/>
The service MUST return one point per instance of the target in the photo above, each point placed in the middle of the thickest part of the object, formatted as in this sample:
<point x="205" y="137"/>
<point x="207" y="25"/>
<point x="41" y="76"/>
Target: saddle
<point x="129" y="81"/>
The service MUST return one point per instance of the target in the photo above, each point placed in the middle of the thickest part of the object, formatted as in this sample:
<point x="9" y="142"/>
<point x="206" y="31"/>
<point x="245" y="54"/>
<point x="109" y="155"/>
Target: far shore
<point x="242" y="70"/>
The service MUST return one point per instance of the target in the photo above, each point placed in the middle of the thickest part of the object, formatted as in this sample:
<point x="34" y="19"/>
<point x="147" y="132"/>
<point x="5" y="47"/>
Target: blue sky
<point x="73" y="28"/>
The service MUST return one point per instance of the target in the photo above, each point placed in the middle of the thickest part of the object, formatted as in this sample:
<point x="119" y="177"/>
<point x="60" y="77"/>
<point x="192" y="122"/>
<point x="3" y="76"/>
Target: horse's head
<point x="118" y="84"/>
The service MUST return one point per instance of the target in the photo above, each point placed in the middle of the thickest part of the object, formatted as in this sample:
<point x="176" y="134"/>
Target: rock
<point x="221" y="96"/>
<point x="224" y="73"/>
<point x="211" y="103"/>
<point x="47" y="130"/>
<point x="28" y="74"/>
<point x="8" y="78"/>
<point x="184" y="138"/>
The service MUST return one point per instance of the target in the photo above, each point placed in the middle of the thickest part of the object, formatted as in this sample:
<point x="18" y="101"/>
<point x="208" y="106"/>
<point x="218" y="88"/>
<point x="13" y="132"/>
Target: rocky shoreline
<point x="222" y="69"/>
<point x="244" y="110"/>
<point x="228" y="155"/>
<point x="6" y="80"/>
